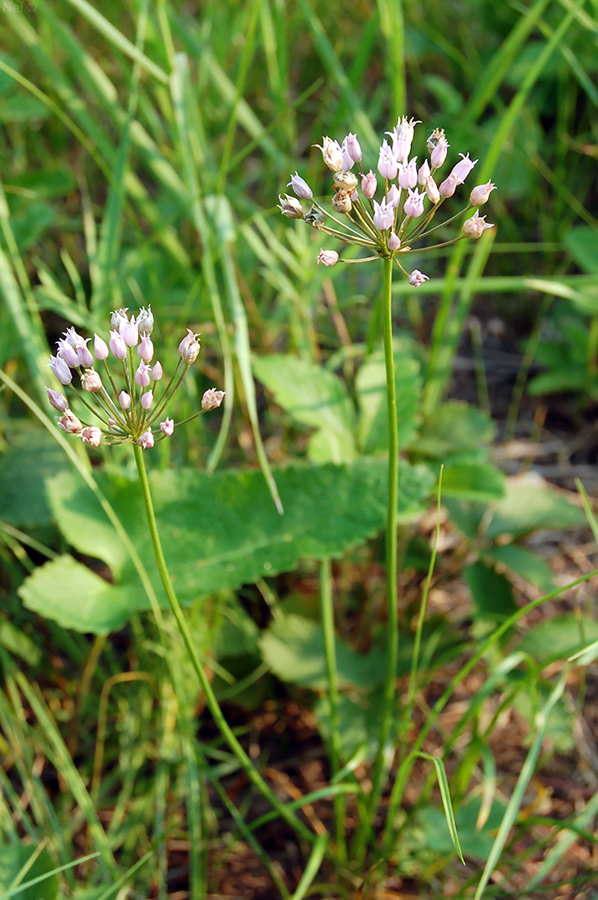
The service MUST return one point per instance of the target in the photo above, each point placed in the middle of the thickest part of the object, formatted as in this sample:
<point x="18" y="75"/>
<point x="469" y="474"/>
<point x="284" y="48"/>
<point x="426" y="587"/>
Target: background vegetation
<point x="142" y="150"/>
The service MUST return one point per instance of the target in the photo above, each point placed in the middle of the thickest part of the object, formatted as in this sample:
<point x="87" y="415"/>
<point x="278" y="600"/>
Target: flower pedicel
<point x="127" y="414"/>
<point x="409" y="198"/>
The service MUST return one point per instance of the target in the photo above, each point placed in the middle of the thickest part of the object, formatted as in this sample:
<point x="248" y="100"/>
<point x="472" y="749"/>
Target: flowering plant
<point x="404" y="213"/>
<point x="127" y="415"/>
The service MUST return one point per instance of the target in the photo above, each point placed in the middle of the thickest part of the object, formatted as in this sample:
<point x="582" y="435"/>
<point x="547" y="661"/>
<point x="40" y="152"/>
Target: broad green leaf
<point x="218" y="532"/>
<point x="359" y="721"/>
<point x="475" y="843"/>
<point x="582" y="244"/>
<point x="466" y="514"/>
<point x="492" y="593"/>
<point x="14" y="859"/>
<point x="527" y="507"/>
<point x="313" y="396"/>
<point x="561" y="718"/>
<point x="371" y="395"/>
<point x="522" y="562"/>
<point x="31" y="458"/>
<point x="480" y="482"/>
<point x="454" y="427"/>
<point x="558" y="637"/>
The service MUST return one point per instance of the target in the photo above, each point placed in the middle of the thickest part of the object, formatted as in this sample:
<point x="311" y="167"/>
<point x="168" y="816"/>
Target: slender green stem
<point x="327" y="616"/>
<point x="211" y="701"/>
<point x="383" y="756"/>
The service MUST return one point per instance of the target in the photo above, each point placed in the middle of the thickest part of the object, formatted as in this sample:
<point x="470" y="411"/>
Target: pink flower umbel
<point x="124" y="415"/>
<point x="392" y="224"/>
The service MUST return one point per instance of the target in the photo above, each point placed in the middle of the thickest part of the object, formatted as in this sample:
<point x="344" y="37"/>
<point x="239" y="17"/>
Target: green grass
<point x="142" y="150"/>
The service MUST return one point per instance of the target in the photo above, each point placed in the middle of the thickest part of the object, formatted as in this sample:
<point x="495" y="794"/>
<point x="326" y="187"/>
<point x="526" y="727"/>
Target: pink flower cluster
<point x="410" y="196"/>
<point x="128" y="415"/>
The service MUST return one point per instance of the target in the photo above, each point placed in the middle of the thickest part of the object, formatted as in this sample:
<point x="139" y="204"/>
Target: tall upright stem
<point x="385" y="754"/>
<point x="211" y="701"/>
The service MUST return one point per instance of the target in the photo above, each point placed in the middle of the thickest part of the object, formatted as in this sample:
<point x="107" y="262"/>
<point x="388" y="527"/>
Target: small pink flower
<point x="70" y="423"/>
<point x="402" y="138"/>
<point x="146" y="348"/>
<point x="387" y="163"/>
<point x="129" y="332"/>
<point x="352" y="148"/>
<point x="124" y="400"/>
<point x="463" y="168"/>
<point x="393" y="198"/>
<point x="119" y="317"/>
<point x="167" y="427"/>
<point x="414" y="204"/>
<point x="448" y="186"/>
<point x="432" y="192"/>
<point x="438" y="146"/>
<point x="394" y="242"/>
<point x="145" y="320"/>
<point x="481" y="193"/>
<point x="68" y="353"/>
<point x="369" y="183"/>
<point x="117" y="346"/>
<point x="423" y="173"/>
<point x="189" y="348"/>
<point x="416" y="278"/>
<point x="327" y="257"/>
<point x="60" y="369"/>
<point x="91" y="381"/>
<point x="59" y="402"/>
<point x="100" y="347"/>
<point x="476" y="226"/>
<point x="300" y="187"/>
<point x="332" y="154"/>
<point x="211" y="399"/>
<point x="146" y="441"/>
<point x="92" y="436"/>
<point x="142" y="375"/>
<point x="157" y="371"/>
<point x="408" y="173"/>
<point x="384" y="215"/>
<point x="290" y="207"/>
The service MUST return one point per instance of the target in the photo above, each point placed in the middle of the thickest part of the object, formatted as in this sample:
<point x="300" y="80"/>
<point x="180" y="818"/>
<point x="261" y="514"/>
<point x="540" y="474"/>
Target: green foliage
<point x="21" y="864"/>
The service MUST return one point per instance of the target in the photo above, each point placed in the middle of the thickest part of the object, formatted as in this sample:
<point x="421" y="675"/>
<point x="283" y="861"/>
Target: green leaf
<point x="218" y="532"/>
<point x="527" y="507"/>
<point x="522" y="562"/>
<point x="14" y="859"/>
<point x="313" y="396"/>
<point x="454" y="428"/>
<point x="582" y="243"/>
<point x="359" y="721"/>
<point x="475" y="843"/>
<point x="31" y="459"/>
<point x="479" y="482"/>
<point x="371" y="396"/>
<point x="558" y="637"/>
<point x="492" y="593"/>
<point x="293" y="647"/>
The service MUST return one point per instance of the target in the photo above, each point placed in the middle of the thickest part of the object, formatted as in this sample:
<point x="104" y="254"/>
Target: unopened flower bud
<point x="70" y="423"/>
<point x="290" y="207"/>
<point x="332" y="154"/>
<point x="68" y="353"/>
<point x="481" y="193"/>
<point x="92" y="436"/>
<point x="142" y="375"/>
<point x="147" y="399"/>
<point x="423" y="173"/>
<point x="437" y="145"/>
<point x="315" y="217"/>
<point x="59" y="402"/>
<point x="146" y="348"/>
<point x="327" y="257"/>
<point x="352" y="147"/>
<point x="341" y="203"/>
<point x="432" y="192"/>
<point x="124" y="400"/>
<point x="414" y="204"/>
<point x="118" y="348"/>
<point x="60" y="369"/>
<point x="369" y="183"/>
<point x="189" y="348"/>
<point x="167" y="426"/>
<point x="100" y="347"/>
<point x="84" y="354"/>
<point x="448" y="186"/>
<point x="416" y="278"/>
<point x="394" y="242"/>
<point x="157" y="371"/>
<point x="393" y="197"/>
<point x="300" y="187"/>
<point x="91" y="381"/>
<point x="145" y="321"/>
<point x="211" y="399"/>
<point x="476" y="226"/>
<point x="146" y="441"/>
